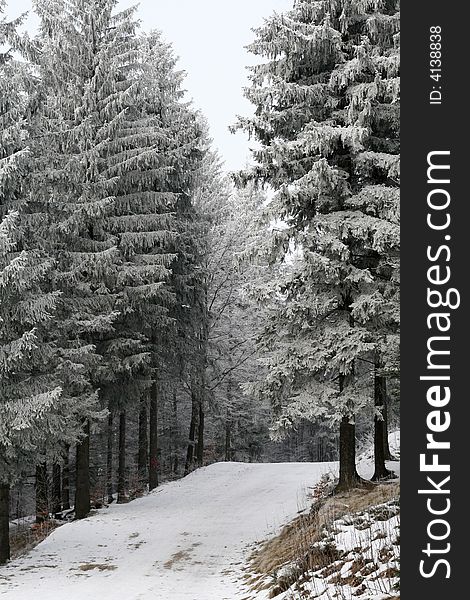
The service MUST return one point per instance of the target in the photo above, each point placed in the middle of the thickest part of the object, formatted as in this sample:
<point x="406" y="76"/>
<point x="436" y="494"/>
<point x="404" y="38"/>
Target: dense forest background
<point x="157" y="314"/>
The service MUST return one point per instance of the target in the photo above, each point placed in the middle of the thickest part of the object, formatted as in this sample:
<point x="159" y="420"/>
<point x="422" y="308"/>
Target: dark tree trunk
<point x="142" y="458"/>
<point x="153" y="437"/>
<point x="82" y="478"/>
<point x="200" y="436"/>
<point x="66" y="480"/>
<point x="380" y="430"/>
<point x="174" y="436"/>
<point x="228" y="423"/>
<point x="109" y="456"/>
<point x="387" y="453"/>
<point x="348" y="477"/>
<point x="42" y="505"/>
<point x="192" y="434"/>
<point x="4" y="523"/>
<point x="123" y="496"/>
<point x="228" y="440"/>
<point x="56" y="489"/>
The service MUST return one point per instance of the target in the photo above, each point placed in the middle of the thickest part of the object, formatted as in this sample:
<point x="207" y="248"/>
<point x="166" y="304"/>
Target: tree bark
<point x="348" y="477"/>
<point x="174" y="436"/>
<point x="82" y="485"/>
<point x="380" y="430"/>
<point x="228" y="423"/>
<point x="109" y="456"/>
<point x="4" y="523"/>
<point x="200" y="435"/>
<point x="142" y="458"/>
<point x="66" y="479"/>
<point x="228" y="440"/>
<point x="192" y="434"/>
<point x="388" y="454"/>
<point x="123" y="495"/>
<point x="42" y="505"/>
<point x="153" y="437"/>
<point x="56" y="489"/>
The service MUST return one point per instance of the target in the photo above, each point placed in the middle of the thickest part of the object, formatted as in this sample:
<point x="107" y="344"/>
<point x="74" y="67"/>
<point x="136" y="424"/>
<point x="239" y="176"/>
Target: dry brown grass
<point x="28" y="536"/>
<point x="295" y="545"/>
<point x="297" y="538"/>
<point x="98" y="566"/>
<point x="180" y="556"/>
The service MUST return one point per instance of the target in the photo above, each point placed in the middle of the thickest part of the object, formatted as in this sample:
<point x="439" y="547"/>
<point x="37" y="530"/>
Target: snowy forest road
<point x="189" y="540"/>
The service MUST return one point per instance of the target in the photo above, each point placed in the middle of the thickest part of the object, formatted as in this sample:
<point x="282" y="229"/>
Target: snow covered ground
<point x="364" y="559"/>
<point x="187" y="541"/>
<point x="365" y="460"/>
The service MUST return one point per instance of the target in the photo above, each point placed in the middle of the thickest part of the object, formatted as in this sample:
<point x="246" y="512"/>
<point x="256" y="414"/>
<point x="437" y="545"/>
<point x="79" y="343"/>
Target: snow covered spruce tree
<point x="30" y="400"/>
<point x="86" y="54"/>
<point x="326" y="118"/>
<point x="151" y="161"/>
<point x="180" y="149"/>
<point x="26" y="399"/>
<point x="37" y="418"/>
<point x="181" y="345"/>
<point x="34" y="419"/>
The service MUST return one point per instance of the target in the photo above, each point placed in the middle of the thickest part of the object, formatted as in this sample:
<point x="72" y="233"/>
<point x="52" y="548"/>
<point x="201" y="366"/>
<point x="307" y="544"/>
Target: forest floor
<point x="188" y="540"/>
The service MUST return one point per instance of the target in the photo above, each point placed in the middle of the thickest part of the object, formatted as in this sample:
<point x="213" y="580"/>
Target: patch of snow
<point x="369" y="564"/>
<point x="365" y="460"/>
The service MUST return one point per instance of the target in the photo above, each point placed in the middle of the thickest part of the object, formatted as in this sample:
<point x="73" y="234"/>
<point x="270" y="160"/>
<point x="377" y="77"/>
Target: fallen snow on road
<point x="189" y="540"/>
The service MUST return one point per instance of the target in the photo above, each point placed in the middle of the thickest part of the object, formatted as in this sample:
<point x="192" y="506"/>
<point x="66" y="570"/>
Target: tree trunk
<point x="200" y="436"/>
<point x="174" y="436"/>
<point x="228" y="440"/>
<point x="66" y="480"/>
<point x="348" y="477"/>
<point x="388" y="454"/>
<point x="192" y="434"/>
<point x="153" y="447"/>
<point x="56" y="489"/>
<point x="4" y="523"/>
<point x="123" y="496"/>
<point x="82" y="478"/>
<point x="380" y="430"/>
<point x="109" y="456"/>
<point x="42" y="507"/>
<point x="228" y="423"/>
<point x="142" y="458"/>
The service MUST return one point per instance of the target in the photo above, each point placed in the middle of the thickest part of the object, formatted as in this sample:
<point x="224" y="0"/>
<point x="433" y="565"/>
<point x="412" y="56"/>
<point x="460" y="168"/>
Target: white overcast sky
<point x="209" y="37"/>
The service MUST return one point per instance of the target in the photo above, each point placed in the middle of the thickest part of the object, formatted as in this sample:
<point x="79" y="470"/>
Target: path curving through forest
<point x="189" y="540"/>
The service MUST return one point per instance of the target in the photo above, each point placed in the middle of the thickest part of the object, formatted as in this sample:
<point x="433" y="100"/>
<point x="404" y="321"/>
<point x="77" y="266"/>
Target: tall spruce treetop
<point x="327" y="119"/>
<point x="14" y="152"/>
<point x="86" y="54"/>
<point x="151" y="160"/>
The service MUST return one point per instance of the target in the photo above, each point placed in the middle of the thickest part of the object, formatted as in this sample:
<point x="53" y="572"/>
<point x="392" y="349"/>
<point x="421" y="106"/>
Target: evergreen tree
<point x="30" y="400"/>
<point x="184" y="358"/>
<point x="34" y="413"/>
<point x="86" y="54"/>
<point x="149" y="154"/>
<point x="37" y="418"/>
<point x="327" y="117"/>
